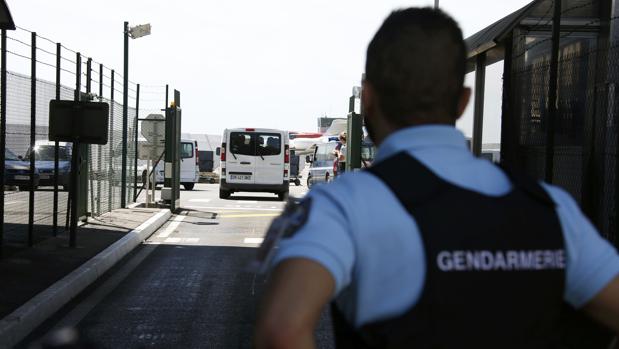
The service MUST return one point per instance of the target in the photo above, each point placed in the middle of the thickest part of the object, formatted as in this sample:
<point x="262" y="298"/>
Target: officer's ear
<point x="463" y="101"/>
<point x="368" y="98"/>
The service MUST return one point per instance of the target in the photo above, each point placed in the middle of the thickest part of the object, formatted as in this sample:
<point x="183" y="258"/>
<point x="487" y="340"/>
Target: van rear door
<point x="270" y="158"/>
<point x="241" y="159"/>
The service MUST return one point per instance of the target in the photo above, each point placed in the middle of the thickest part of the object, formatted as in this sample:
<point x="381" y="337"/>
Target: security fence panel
<point x="131" y="149"/>
<point x="44" y="155"/>
<point x="117" y="143"/>
<point x="42" y="70"/>
<point x="584" y="152"/>
<point x="16" y="204"/>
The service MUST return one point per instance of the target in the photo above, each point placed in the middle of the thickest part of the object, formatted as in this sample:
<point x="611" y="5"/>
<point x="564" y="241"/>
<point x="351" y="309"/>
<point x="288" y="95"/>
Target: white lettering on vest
<point x="485" y="260"/>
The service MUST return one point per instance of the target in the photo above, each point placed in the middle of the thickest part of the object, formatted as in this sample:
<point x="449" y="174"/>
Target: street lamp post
<point x="436" y="3"/>
<point x="134" y="33"/>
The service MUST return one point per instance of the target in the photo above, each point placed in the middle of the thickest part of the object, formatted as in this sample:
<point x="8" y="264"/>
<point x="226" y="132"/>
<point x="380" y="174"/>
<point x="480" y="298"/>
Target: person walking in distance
<point x="432" y="247"/>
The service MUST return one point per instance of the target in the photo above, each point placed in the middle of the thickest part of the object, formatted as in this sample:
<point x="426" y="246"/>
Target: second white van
<point x="190" y="171"/>
<point x="254" y="160"/>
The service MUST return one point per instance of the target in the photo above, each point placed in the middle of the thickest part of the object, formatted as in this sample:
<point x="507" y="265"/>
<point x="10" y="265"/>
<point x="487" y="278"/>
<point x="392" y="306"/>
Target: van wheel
<point x="309" y="182"/>
<point x="224" y="194"/>
<point x="188" y="186"/>
<point x="297" y="182"/>
<point x="283" y="195"/>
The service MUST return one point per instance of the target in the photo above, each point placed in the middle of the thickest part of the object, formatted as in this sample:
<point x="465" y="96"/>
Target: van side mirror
<point x="308" y="159"/>
<point x="20" y="157"/>
<point x="218" y="151"/>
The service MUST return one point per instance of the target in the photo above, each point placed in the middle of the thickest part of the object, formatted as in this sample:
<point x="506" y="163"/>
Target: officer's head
<point x="414" y="72"/>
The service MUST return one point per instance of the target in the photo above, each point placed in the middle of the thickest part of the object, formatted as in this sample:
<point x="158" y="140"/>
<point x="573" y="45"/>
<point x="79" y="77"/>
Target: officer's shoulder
<point x="348" y="187"/>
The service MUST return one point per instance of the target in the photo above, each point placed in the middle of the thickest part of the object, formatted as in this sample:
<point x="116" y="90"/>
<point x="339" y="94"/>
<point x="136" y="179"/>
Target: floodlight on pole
<point x="128" y="32"/>
<point x="139" y="31"/>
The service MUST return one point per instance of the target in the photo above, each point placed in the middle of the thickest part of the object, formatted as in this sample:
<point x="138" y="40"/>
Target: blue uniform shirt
<point x="363" y="236"/>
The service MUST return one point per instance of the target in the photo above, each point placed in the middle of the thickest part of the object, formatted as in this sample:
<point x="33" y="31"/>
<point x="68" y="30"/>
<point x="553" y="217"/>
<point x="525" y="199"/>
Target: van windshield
<point x="324" y="155"/>
<point x="9" y="156"/>
<point x="255" y="144"/>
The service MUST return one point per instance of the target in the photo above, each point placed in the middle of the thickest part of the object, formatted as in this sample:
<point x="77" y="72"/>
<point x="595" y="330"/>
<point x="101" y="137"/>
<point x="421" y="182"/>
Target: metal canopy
<point x="6" y="21"/>
<point x="490" y="40"/>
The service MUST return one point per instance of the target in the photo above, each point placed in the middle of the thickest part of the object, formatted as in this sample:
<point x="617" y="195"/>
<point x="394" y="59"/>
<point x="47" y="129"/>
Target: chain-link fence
<point x="37" y="172"/>
<point x="574" y="144"/>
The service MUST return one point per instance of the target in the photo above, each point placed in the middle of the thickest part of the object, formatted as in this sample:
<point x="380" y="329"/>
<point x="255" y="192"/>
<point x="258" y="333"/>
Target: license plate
<point x="22" y="178"/>
<point x="240" y="177"/>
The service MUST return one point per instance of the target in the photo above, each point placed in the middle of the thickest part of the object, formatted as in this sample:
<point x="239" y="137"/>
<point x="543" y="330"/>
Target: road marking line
<point x="13" y="202"/>
<point x="253" y="240"/>
<point x="250" y="215"/>
<point x="181" y="240"/>
<point x="246" y="202"/>
<point x="200" y="200"/>
<point x="235" y="208"/>
<point x="172" y="226"/>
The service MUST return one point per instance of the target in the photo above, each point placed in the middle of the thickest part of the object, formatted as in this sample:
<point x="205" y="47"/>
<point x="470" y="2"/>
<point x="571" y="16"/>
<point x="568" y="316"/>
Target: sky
<point x="271" y="63"/>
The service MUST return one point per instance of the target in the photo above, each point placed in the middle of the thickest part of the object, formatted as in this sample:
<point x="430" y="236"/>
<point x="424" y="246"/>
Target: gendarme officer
<point x="432" y="247"/>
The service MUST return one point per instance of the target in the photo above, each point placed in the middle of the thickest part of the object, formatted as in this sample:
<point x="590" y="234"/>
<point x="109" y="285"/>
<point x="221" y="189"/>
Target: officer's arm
<point x="604" y="307"/>
<point x="298" y="290"/>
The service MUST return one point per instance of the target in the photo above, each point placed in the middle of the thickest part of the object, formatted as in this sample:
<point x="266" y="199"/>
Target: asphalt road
<point x="187" y="286"/>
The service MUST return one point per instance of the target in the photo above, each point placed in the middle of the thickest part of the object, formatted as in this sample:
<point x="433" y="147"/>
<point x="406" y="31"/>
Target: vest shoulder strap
<point x="403" y="173"/>
<point x="413" y="183"/>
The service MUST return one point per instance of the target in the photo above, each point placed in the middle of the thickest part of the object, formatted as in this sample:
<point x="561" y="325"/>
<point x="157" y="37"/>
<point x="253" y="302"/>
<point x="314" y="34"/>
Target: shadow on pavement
<point x="26" y="271"/>
<point x="185" y="296"/>
<point x="254" y="198"/>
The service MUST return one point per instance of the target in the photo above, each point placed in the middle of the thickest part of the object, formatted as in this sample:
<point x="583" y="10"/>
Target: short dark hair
<point x="416" y="64"/>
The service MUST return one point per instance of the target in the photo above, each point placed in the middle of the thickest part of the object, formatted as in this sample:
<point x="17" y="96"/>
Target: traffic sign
<point x="153" y="127"/>
<point x="150" y="151"/>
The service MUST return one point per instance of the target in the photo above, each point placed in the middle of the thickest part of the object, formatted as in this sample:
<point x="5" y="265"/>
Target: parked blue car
<point x="17" y="172"/>
<point x="44" y="163"/>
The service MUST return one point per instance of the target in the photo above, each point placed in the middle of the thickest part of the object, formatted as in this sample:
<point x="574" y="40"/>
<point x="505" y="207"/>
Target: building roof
<point x="205" y="142"/>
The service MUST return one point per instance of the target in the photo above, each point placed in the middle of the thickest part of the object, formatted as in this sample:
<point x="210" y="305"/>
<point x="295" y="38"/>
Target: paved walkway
<point x="25" y="272"/>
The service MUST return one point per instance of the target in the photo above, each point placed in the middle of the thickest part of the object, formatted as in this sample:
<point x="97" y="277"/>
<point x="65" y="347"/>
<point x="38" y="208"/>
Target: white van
<point x="190" y="171"/>
<point x="254" y="160"/>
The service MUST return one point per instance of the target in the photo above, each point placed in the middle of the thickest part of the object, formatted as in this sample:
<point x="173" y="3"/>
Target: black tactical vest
<point x="495" y="267"/>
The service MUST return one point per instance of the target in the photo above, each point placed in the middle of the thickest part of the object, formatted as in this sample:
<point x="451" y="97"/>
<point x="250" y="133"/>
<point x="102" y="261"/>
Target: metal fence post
<point x="99" y="148"/>
<point x="76" y="159"/>
<point x="56" y="144"/>
<point x="2" y="132"/>
<point x="89" y="190"/>
<point x="167" y="87"/>
<point x="478" y="118"/>
<point x="552" y="92"/>
<point x="123" y="170"/>
<point x="110" y="166"/>
<point x="33" y="125"/>
<point x="135" y="160"/>
<point x="509" y="126"/>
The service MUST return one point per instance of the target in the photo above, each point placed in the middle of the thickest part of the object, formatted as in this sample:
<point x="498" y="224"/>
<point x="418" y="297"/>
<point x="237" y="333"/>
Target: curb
<point x="25" y="319"/>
